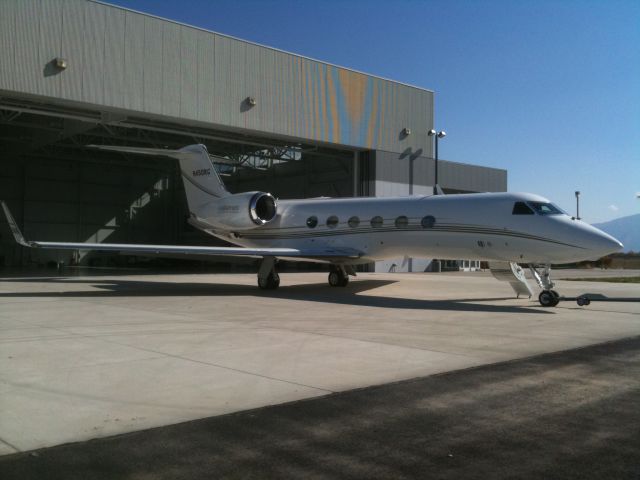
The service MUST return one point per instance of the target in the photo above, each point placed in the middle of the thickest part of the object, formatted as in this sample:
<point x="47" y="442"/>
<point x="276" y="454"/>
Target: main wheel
<point x="335" y="279"/>
<point x="271" y="282"/>
<point x="548" y="299"/>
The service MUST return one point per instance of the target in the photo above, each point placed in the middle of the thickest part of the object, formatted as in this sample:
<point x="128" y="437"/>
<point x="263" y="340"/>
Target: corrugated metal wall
<point x="411" y="173"/>
<point x="126" y="60"/>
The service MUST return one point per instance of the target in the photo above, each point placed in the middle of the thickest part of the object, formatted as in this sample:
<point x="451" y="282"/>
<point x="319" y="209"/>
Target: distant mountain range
<point x="625" y="229"/>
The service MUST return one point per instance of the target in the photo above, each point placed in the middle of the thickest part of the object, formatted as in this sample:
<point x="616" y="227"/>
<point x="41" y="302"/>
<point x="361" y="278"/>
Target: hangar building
<point x="80" y="72"/>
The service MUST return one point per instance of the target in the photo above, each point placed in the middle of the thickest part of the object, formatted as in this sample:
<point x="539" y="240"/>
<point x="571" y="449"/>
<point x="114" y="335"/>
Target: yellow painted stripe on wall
<point x="333" y="103"/>
<point x="373" y="123"/>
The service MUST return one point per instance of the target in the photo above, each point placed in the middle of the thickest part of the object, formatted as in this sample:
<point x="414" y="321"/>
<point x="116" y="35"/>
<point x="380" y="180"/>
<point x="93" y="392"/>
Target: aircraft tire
<point x="335" y="279"/>
<point x="548" y="299"/>
<point x="269" y="283"/>
<point x="583" y="301"/>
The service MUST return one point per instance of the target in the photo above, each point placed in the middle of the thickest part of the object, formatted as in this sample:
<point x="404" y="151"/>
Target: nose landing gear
<point x="548" y="297"/>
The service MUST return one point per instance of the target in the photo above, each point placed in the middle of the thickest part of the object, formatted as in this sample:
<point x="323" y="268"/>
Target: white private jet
<point x="502" y="228"/>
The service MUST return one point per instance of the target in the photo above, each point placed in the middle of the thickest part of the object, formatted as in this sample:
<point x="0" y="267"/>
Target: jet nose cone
<point x="607" y="244"/>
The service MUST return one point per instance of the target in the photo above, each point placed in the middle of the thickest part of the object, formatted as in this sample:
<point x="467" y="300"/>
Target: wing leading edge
<point x="327" y="255"/>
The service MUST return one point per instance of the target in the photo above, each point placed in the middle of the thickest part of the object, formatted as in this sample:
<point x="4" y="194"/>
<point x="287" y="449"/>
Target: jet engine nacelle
<point x="244" y="211"/>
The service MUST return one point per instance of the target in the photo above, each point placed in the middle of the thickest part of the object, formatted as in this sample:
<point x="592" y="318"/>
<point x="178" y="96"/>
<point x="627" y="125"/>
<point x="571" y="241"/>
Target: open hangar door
<point x="60" y="190"/>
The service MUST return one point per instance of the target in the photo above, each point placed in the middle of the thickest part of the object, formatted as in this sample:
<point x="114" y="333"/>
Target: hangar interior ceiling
<point x="61" y="190"/>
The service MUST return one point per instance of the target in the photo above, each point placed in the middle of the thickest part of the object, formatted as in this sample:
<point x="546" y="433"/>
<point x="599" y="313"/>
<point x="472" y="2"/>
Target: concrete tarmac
<point x="90" y="357"/>
<point x="566" y="415"/>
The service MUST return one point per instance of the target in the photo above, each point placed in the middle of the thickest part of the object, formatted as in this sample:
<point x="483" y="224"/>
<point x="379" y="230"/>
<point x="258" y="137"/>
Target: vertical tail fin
<point x="202" y="184"/>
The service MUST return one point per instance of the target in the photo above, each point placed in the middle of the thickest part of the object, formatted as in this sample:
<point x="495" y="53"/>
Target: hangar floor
<point x="87" y="357"/>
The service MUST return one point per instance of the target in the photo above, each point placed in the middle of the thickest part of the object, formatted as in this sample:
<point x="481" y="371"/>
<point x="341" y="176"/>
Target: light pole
<point x="436" y="135"/>
<point x="577" y="205"/>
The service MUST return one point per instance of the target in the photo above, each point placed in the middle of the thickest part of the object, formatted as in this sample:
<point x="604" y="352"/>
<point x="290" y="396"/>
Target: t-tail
<point x="210" y="204"/>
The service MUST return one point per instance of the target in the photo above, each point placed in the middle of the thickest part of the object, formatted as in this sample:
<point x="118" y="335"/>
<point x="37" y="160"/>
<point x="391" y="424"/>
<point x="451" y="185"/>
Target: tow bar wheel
<point x="583" y="301"/>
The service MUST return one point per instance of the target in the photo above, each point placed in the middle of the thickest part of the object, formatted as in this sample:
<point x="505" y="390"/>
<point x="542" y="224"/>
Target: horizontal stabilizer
<point x="202" y="184"/>
<point x="158" y="152"/>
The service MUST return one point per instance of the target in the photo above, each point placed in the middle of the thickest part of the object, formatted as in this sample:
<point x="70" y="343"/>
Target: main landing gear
<point x="268" y="278"/>
<point x="548" y="297"/>
<point x="338" y="276"/>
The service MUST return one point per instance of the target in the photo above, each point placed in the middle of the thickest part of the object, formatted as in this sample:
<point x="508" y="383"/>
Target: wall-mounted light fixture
<point x="251" y="101"/>
<point x="60" y="63"/>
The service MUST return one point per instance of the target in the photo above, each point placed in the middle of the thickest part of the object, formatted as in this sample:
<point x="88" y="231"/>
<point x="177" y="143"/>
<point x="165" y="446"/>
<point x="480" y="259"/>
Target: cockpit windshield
<point x="521" y="208"/>
<point x="542" y="208"/>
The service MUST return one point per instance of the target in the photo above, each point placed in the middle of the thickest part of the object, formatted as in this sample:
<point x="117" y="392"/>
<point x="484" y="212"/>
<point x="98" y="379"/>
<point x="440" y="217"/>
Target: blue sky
<point x="549" y="90"/>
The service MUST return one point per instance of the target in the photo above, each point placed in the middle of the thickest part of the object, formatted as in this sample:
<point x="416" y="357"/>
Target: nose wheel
<point x="549" y="298"/>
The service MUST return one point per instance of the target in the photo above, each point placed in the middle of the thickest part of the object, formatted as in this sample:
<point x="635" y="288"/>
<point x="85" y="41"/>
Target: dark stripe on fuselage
<point x="441" y="228"/>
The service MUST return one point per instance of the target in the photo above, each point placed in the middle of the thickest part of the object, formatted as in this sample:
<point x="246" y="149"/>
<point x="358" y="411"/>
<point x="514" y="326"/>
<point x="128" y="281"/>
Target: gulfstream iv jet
<point x="504" y="229"/>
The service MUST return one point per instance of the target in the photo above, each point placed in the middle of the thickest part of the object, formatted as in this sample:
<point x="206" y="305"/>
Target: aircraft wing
<point x="326" y="254"/>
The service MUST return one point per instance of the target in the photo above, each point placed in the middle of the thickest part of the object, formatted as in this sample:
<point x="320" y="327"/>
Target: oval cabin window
<point x="332" y="221"/>
<point x="428" y="221"/>
<point x="402" y="222"/>
<point x="354" y="222"/>
<point x="376" y="222"/>
<point x="312" y="222"/>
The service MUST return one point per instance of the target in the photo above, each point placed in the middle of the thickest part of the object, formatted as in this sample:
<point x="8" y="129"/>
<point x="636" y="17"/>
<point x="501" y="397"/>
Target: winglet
<point x="17" y="234"/>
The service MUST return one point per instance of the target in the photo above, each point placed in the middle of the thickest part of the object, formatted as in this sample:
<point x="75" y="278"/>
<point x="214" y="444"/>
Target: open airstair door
<point x="514" y="274"/>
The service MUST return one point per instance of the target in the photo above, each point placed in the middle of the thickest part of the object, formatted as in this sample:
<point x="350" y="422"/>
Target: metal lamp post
<point x="437" y="136"/>
<point x="577" y="205"/>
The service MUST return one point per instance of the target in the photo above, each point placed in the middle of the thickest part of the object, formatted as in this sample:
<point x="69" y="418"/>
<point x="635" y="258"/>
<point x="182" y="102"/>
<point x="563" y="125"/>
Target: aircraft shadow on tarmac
<point x="317" y="292"/>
